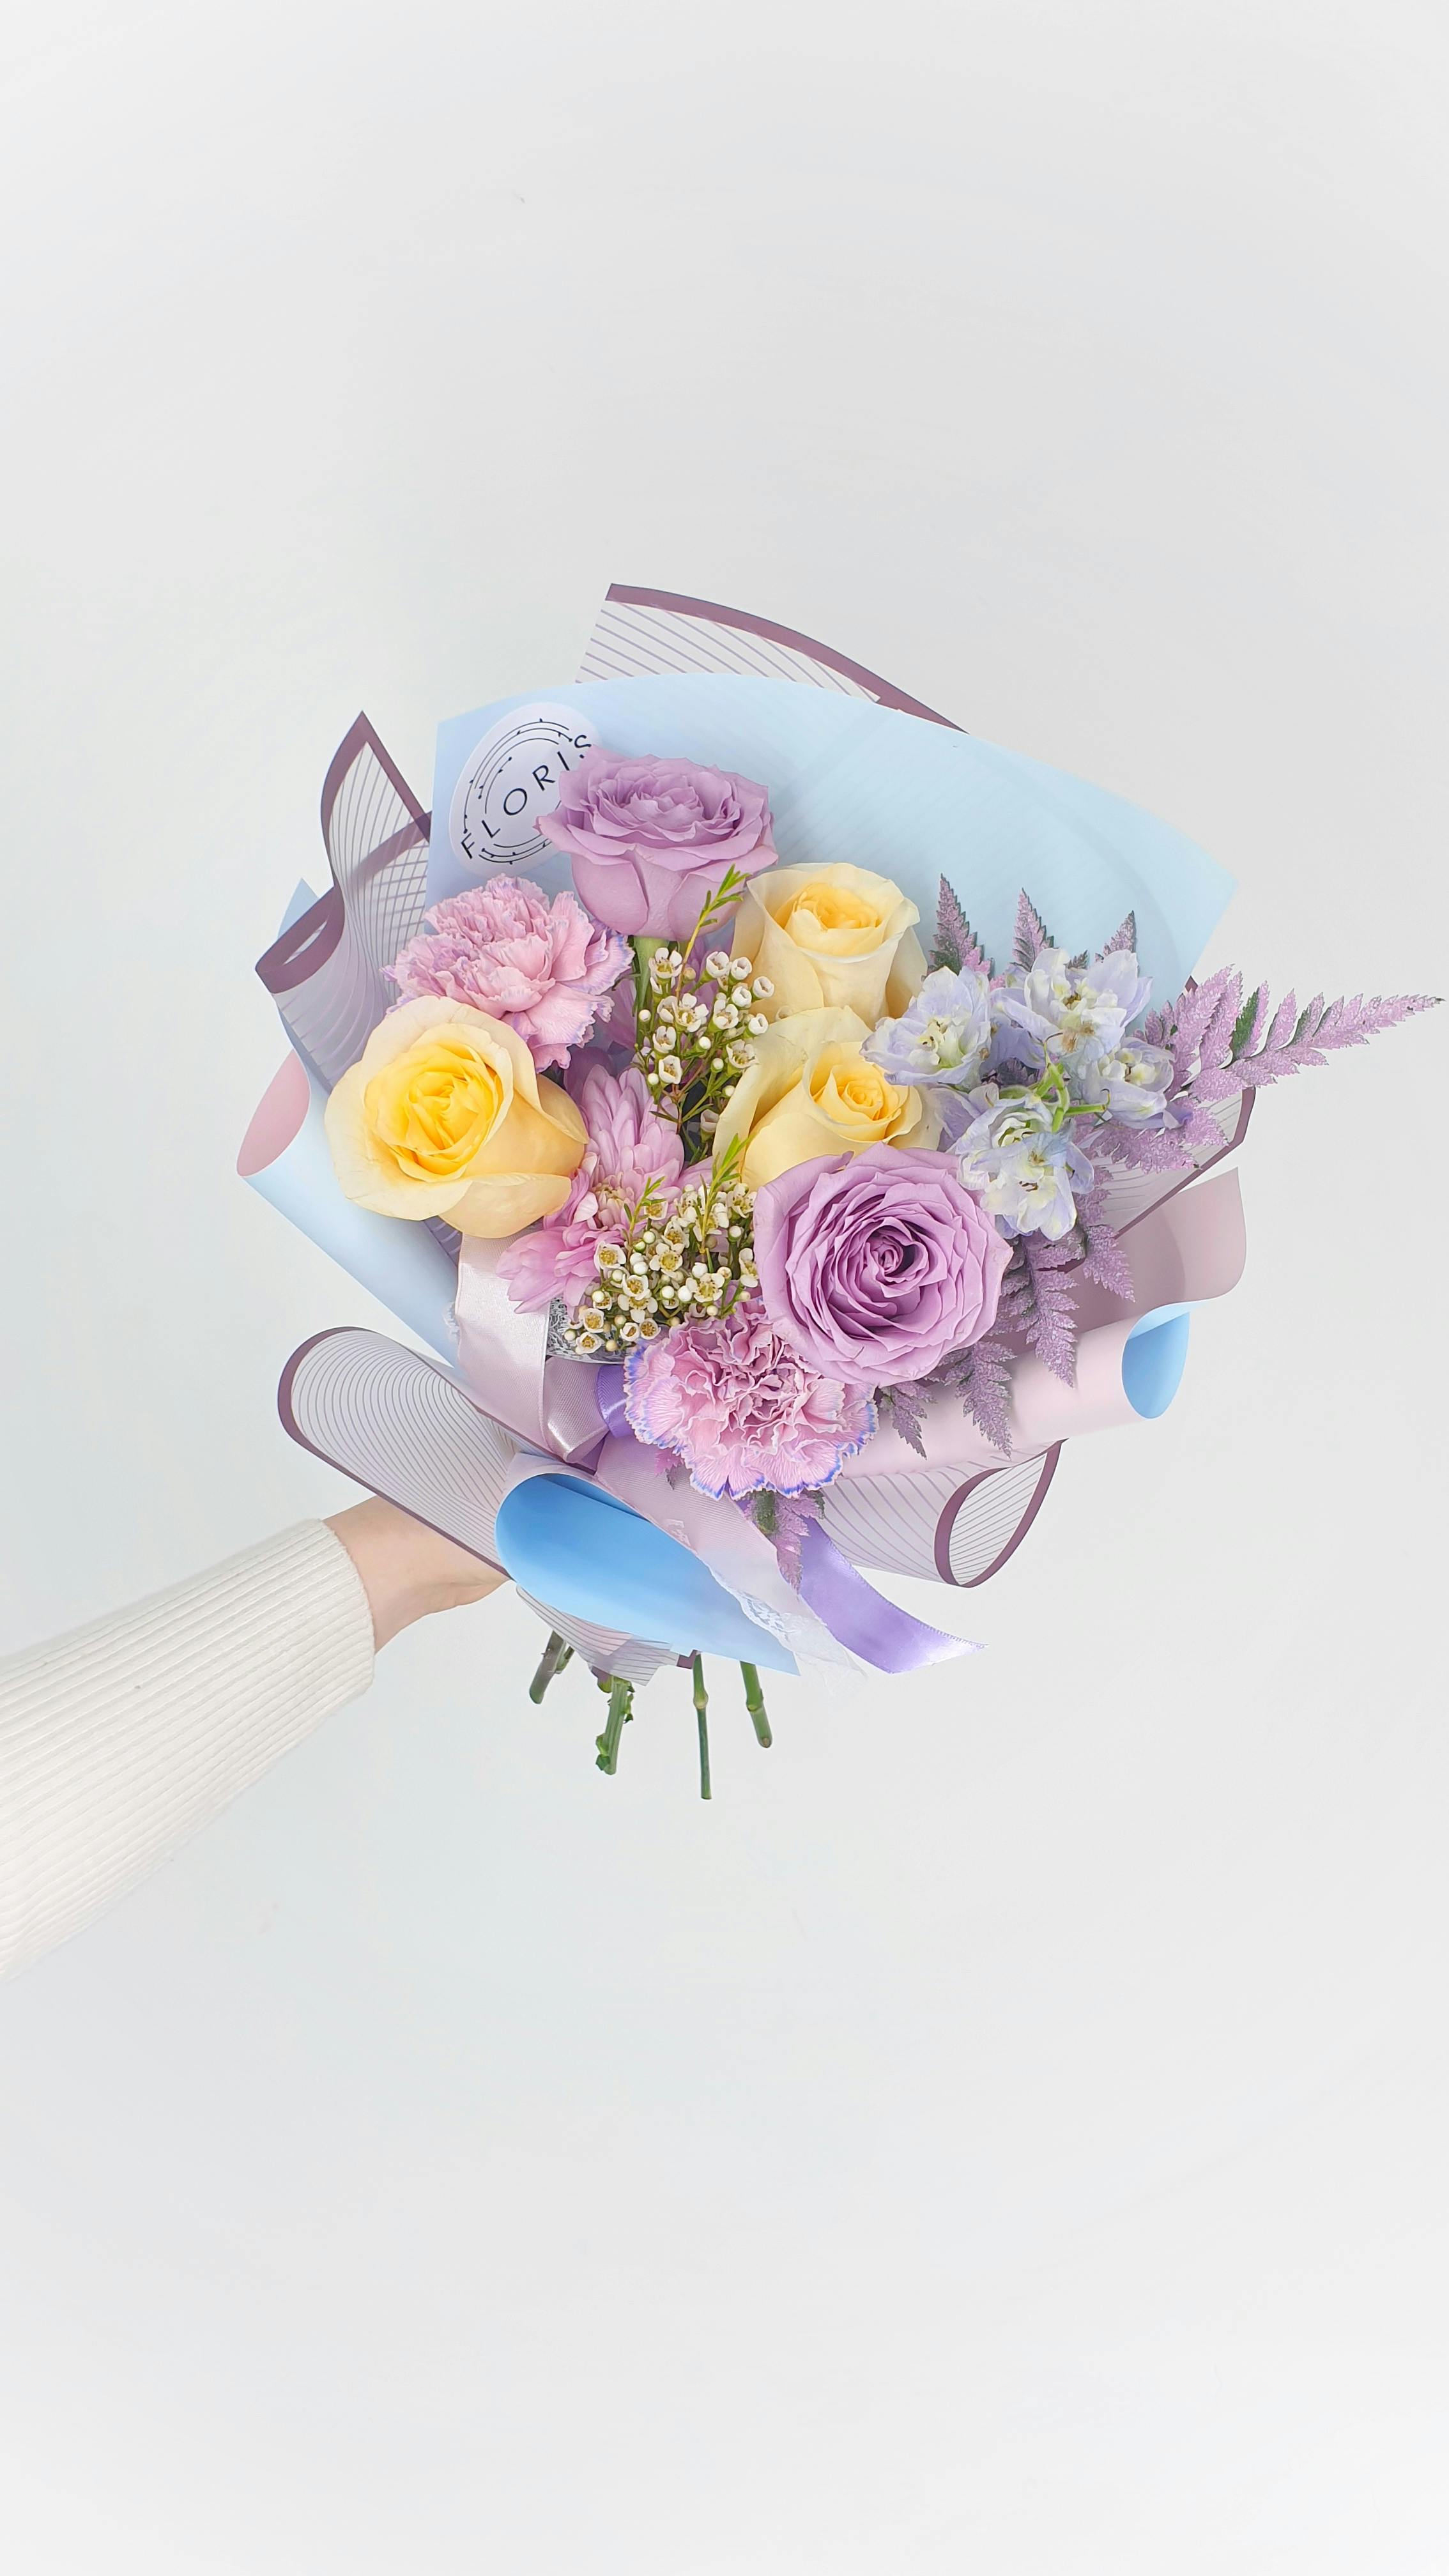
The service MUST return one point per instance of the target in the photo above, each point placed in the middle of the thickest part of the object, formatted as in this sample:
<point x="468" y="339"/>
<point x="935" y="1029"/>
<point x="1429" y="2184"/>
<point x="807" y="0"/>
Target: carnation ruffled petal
<point x="733" y="1400"/>
<point x="534" y="961"/>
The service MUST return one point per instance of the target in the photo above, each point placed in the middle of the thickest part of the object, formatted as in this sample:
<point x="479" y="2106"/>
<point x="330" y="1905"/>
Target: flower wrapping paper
<point x="457" y="1124"/>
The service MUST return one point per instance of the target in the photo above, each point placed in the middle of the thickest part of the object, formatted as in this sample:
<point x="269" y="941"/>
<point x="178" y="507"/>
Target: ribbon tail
<point x="503" y="1354"/>
<point x="861" y="1618"/>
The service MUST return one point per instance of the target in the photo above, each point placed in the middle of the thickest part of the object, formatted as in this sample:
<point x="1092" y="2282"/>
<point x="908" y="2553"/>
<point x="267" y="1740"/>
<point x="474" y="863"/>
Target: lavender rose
<point x="650" y="838"/>
<point x="873" y="1266"/>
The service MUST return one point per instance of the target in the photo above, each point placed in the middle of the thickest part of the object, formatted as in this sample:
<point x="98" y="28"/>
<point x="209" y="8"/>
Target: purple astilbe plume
<point x="957" y="945"/>
<point x="1032" y="935"/>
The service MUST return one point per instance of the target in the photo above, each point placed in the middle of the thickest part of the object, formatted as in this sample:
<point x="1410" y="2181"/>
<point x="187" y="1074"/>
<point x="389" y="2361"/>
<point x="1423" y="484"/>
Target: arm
<point x="121" y="1739"/>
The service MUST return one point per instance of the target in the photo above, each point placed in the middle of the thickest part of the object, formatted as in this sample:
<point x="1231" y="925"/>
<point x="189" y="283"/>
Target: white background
<point x="1007" y="2130"/>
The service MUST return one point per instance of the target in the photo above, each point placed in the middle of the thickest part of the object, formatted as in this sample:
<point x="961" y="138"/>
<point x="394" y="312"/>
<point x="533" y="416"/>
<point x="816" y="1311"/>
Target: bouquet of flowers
<point x="776" y="1197"/>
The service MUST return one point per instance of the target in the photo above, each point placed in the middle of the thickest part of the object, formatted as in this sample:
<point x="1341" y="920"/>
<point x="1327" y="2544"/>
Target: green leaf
<point x="1243" y="1026"/>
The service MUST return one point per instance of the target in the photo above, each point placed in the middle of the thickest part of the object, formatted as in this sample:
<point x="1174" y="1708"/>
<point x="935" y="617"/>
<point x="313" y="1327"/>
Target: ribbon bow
<point x="569" y="1415"/>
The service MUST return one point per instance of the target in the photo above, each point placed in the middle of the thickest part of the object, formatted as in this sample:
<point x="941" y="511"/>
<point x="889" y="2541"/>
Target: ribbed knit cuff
<point x="121" y="1739"/>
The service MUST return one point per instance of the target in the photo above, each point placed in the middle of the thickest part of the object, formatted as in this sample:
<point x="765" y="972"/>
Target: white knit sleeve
<point x="121" y="1739"/>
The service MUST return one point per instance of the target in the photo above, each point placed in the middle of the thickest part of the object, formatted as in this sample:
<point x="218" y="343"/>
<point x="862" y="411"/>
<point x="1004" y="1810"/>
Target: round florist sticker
<point x="508" y="779"/>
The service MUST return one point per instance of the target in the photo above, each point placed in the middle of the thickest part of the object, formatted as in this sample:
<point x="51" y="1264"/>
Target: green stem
<point x="643" y="951"/>
<point x="755" y="1703"/>
<point x="620" y="1695"/>
<point x="701" y="1711"/>
<point x="553" y="1659"/>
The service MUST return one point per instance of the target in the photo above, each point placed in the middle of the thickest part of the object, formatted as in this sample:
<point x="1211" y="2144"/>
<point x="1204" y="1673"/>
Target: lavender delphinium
<point x="1067" y="1012"/>
<point x="942" y="1040"/>
<point x="1023" y="1162"/>
<point x="1130" y="1083"/>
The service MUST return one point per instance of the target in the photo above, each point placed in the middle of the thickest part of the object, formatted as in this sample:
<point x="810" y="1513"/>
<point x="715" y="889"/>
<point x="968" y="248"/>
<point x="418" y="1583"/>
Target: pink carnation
<point x="505" y="948"/>
<point x="629" y="1145"/>
<point x="736" y="1403"/>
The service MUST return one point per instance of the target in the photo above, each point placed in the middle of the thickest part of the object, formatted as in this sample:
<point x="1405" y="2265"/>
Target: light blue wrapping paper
<point x="848" y="781"/>
<point x="852" y="781"/>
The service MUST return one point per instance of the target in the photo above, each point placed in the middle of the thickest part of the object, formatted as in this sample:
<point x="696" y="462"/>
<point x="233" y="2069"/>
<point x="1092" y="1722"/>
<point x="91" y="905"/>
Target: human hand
<point x="408" y="1570"/>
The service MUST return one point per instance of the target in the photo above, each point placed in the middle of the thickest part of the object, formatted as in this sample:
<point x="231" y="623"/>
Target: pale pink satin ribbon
<point x="550" y="1404"/>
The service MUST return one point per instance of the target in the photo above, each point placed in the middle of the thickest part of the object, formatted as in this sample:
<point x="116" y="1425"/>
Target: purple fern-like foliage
<point x="1036" y="1312"/>
<point x="957" y="946"/>
<point x="982" y="1379"/>
<point x="902" y="1409"/>
<point x="1152" y="1149"/>
<point x="1039" y="1302"/>
<point x="1032" y="935"/>
<point x="1221" y="1044"/>
<point x="1103" y="1258"/>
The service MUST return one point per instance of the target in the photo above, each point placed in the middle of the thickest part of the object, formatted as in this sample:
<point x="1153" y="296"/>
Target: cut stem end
<point x="553" y="1659"/>
<point x="701" y="1712"/>
<point x="755" y="1703"/>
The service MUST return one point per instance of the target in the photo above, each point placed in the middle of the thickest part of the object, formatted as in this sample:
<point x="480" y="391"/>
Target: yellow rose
<point x="836" y="937"/>
<point x="444" y="1115"/>
<point x="810" y="1092"/>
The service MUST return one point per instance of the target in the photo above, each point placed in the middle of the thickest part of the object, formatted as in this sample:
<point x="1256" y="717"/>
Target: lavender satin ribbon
<point x="861" y="1618"/>
<point x="856" y="1614"/>
<point x="609" y="1388"/>
<point x="550" y="1404"/>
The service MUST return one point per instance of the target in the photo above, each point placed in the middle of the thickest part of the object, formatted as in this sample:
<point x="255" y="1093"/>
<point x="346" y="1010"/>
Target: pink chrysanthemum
<point x="629" y="1145"/>
<point x="741" y="1409"/>
<point x="505" y="948"/>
